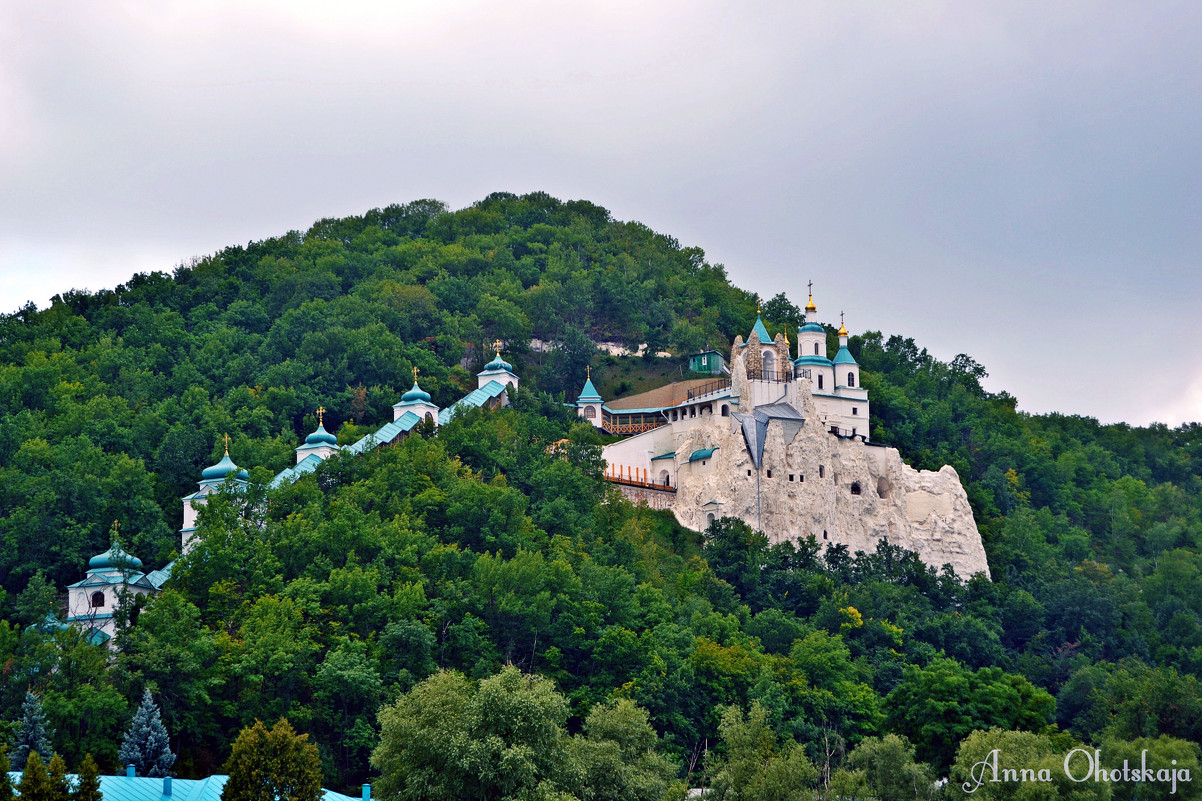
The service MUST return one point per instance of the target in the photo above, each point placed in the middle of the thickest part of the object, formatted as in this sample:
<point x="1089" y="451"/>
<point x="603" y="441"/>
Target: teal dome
<point x="416" y="395"/>
<point x="115" y="557"/>
<point x="321" y="437"/>
<point x="811" y="328"/>
<point x="820" y="361"/>
<point x="498" y="364"/>
<point x="222" y="469"/>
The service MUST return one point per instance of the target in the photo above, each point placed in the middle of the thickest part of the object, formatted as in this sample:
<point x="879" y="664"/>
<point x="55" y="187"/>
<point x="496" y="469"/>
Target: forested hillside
<point x="484" y="546"/>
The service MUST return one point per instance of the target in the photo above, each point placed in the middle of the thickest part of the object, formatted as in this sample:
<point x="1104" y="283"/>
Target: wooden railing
<point x="634" y="477"/>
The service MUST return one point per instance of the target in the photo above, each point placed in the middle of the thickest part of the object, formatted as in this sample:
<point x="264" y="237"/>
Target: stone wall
<point x="656" y="499"/>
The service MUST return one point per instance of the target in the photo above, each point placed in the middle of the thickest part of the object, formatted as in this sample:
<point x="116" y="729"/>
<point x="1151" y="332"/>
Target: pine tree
<point x="6" y="783"/>
<point x="32" y="736"/>
<point x="35" y="782"/>
<point x="56" y="784"/>
<point x="146" y="744"/>
<point x="87" y="783"/>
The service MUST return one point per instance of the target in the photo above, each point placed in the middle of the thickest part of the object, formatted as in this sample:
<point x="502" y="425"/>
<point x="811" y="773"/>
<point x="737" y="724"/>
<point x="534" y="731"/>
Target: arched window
<point x="664" y="479"/>
<point x="590" y="412"/>
<point x="709" y="518"/>
<point x="815" y="348"/>
<point x="821" y="471"/>
<point x="97" y="600"/>
<point x="429" y="417"/>
<point x="855" y="488"/>
<point x="820" y="380"/>
<point x="725" y="410"/>
<point x="769" y="360"/>
<point x="851" y="379"/>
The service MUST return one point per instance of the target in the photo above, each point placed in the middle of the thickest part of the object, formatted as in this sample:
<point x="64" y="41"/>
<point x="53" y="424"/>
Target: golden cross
<point x="321" y="410"/>
<point x="226" y="437"/>
<point x="415" y="375"/>
<point x="840" y="319"/>
<point x="757" y="303"/>
<point x="497" y="346"/>
<point x="588" y="372"/>
<point x="116" y="527"/>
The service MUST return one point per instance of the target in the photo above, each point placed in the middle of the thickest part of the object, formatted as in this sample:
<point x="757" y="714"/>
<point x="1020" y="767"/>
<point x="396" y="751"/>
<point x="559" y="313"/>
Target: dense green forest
<point x="482" y="547"/>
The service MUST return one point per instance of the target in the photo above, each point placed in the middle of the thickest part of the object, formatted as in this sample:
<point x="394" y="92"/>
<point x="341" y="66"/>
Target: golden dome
<point x="842" y="327"/>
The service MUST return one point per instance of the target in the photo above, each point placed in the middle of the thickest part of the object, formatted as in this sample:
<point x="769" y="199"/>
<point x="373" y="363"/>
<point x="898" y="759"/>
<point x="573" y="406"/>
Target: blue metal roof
<point x="671" y="455"/>
<point x="703" y="453"/>
<point x="474" y="399"/>
<point x="844" y="357"/>
<point x="821" y="361"/>
<point x="589" y="392"/>
<point x="291" y="474"/>
<point x="759" y="330"/>
<point x="141" y="788"/>
<point x="811" y="328"/>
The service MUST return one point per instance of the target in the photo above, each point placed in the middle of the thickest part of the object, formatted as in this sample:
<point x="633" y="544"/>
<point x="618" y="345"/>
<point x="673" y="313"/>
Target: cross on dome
<point x="226" y="437"/>
<point x="321" y="410"/>
<point x="496" y="346"/>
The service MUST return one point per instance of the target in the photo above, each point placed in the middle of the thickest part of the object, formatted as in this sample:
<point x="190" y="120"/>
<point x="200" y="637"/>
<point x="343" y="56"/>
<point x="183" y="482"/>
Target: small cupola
<point x="320" y="443"/>
<point x="416" y="400"/>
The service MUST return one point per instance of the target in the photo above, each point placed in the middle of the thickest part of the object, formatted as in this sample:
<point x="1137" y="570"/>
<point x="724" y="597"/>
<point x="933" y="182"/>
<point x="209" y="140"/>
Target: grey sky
<point x="1018" y="181"/>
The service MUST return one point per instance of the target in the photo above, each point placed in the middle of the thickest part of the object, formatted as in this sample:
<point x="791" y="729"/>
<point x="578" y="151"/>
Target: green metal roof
<point x="844" y="357"/>
<point x="671" y="455"/>
<point x="321" y="437"/>
<point x="142" y="788"/>
<point x="821" y="361"/>
<point x="811" y="328"/>
<point x="703" y="453"/>
<point x="222" y="469"/>
<point x="416" y="395"/>
<point x="759" y="330"/>
<point x="589" y="393"/>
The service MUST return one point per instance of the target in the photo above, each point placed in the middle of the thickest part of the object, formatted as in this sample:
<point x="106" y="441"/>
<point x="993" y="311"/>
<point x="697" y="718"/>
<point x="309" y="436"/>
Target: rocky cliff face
<point x="836" y="489"/>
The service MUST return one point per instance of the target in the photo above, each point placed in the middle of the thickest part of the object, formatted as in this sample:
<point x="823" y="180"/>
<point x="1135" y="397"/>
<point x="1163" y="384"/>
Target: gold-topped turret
<point x="810" y="307"/>
<point x="842" y="327"/>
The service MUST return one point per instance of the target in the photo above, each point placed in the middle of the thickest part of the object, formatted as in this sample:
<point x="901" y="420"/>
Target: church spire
<point x="810" y="307"/>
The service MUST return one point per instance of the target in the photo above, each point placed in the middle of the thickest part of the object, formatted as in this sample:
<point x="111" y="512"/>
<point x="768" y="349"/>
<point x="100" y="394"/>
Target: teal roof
<point x="821" y="361"/>
<point x="497" y="365"/>
<point x="474" y="399"/>
<point x="704" y="453"/>
<point x="291" y="474"/>
<point x="321" y="437"/>
<point x="115" y="556"/>
<point x="759" y="330"/>
<point x="141" y="788"/>
<point x="416" y="395"/>
<point x="222" y="469"/>
<point x="811" y="328"/>
<point x="589" y="393"/>
<point x="844" y="357"/>
<point x="671" y="455"/>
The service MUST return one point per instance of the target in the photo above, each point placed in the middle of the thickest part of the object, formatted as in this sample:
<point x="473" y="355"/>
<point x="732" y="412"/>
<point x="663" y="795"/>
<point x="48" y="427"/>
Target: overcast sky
<point x="1019" y="181"/>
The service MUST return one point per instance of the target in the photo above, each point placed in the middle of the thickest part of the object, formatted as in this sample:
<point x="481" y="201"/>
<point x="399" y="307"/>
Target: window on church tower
<point x="851" y="379"/>
<point x="590" y="412"/>
<point x="815" y="348"/>
<point x="97" y="600"/>
<point x="820" y="380"/>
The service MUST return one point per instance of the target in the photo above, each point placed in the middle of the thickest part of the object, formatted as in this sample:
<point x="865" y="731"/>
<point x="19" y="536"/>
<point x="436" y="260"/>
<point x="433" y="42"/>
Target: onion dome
<point x="811" y="328"/>
<point x="322" y="437"/>
<point x="498" y="364"/>
<point x="224" y="468"/>
<point x="842" y="329"/>
<point x="416" y="395"/>
<point x="115" y="557"/>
